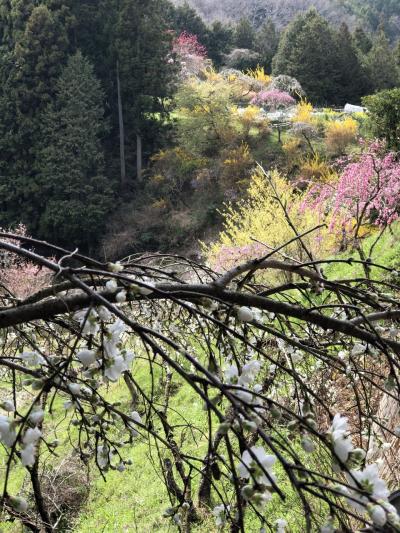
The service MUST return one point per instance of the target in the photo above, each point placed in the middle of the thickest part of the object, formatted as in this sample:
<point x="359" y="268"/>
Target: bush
<point x="384" y="114"/>
<point x="339" y="134"/>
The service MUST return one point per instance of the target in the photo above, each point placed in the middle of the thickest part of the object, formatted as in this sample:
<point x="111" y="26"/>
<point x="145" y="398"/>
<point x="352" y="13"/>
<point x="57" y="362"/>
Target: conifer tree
<point x="75" y="194"/>
<point x="380" y="62"/>
<point x="266" y="43"/>
<point x="245" y="34"/>
<point x="397" y="54"/>
<point x="146" y="76"/>
<point x="29" y="73"/>
<point x="352" y="80"/>
<point x="185" y="19"/>
<point x="219" y="42"/>
<point x="308" y="52"/>
<point x="362" y="41"/>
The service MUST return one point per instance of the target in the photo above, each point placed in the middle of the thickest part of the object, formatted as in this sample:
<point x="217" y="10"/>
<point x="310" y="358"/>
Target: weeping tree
<point x="293" y="376"/>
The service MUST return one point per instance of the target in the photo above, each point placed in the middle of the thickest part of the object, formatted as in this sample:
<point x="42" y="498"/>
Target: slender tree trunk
<point x="139" y="157"/>
<point x="121" y="132"/>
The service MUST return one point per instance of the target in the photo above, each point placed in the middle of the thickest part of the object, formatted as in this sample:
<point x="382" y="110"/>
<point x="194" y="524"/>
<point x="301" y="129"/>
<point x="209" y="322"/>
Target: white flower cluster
<point x="31" y="437"/>
<point x="7" y="431"/>
<point x="116" y="359"/>
<point x="256" y="466"/>
<point x="367" y="480"/>
<point x="248" y="374"/>
<point x="220" y="512"/>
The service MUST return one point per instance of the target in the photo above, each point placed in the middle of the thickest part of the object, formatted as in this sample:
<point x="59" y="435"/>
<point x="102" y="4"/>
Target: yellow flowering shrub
<point x="293" y="150"/>
<point x="304" y="113"/>
<point x="259" y="75"/>
<point x="339" y="134"/>
<point x="236" y="166"/>
<point x="316" y="168"/>
<point x="259" y="220"/>
<point x="251" y="118"/>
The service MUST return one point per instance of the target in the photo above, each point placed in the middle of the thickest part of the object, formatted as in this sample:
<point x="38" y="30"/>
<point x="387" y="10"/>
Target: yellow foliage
<point x="160" y="205"/>
<point x="237" y="155"/>
<point x="157" y="179"/>
<point x="211" y="74"/>
<point x="236" y="166"/>
<point x="250" y="114"/>
<point x="316" y="168"/>
<point x="304" y="112"/>
<point x="293" y="149"/>
<point x="260" y="218"/>
<point x="260" y="75"/>
<point x="339" y="134"/>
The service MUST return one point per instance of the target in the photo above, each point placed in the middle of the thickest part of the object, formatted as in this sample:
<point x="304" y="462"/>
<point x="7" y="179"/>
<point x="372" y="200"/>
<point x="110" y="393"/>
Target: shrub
<point x="20" y="278"/>
<point x="384" y="113"/>
<point x="260" y="75"/>
<point x="339" y="134"/>
<point x="260" y="219"/>
<point x="368" y="190"/>
<point x="316" y="168"/>
<point x="304" y="113"/>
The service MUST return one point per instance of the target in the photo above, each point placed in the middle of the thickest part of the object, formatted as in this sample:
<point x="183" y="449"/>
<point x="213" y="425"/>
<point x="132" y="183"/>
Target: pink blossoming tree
<point x="367" y="191"/>
<point x="274" y="99"/>
<point x="20" y="278"/>
<point x="191" y="55"/>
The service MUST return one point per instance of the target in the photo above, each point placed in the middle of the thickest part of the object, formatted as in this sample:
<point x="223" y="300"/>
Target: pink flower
<point x="274" y="99"/>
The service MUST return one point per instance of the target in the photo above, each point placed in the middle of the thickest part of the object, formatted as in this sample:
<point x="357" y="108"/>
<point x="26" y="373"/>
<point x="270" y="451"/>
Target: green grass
<point x="385" y="253"/>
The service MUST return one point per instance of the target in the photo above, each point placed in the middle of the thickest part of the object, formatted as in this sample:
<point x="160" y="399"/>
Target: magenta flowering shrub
<point x="273" y="99"/>
<point x="367" y="191"/>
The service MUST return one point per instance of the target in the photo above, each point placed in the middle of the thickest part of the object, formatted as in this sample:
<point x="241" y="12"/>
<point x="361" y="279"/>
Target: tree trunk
<point x="139" y="157"/>
<point x="121" y="132"/>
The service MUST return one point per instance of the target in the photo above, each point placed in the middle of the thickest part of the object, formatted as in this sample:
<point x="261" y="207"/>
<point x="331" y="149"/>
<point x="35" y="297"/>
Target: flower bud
<point x="19" y="504"/>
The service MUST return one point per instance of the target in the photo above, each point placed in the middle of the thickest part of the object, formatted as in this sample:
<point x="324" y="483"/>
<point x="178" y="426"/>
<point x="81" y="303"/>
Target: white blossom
<point x="121" y="297"/>
<point x="231" y="374"/>
<point x="32" y="435"/>
<point x="104" y="313"/>
<point x="19" y="504"/>
<point x="358" y="349"/>
<point x="371" y="483"/>
<point x="7" y="431"/>
<point x="280" y="525"/>
<point x="112" y="285"/>
<point x="219" y="513"/>
<point x="261" y="462"/>
<point x="245" y="314"/>
<point x="36" y="416"/>
<point x="136" y="418"/>
<point x="307" y="444"/>
<point x="32" y="358"/>
<point x="86" y="357"/>
<point x="75" y="388"/>
<point x="114" y="371"/>
<point x="378" y="515"/>
<point x="249" y="373"/>
<point x="29" y="442"/>
<point x="88" y="321"/>
<point x="342" y="443"/>
<point x="115" y="267"/>
<point x="28" y="455"/>
<point x="8" y="405"/>
<point x="103" y="455"/>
